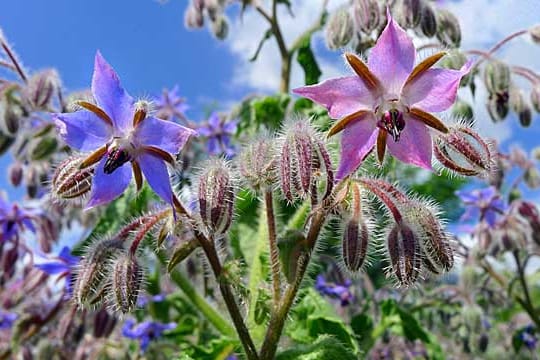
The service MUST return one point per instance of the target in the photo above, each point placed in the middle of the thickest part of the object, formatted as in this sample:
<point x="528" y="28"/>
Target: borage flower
<point x="14" y="219"/>
<point x="123" y="139"/>
<point x="341" y="292"/>
<point x="170" y="105"/>
<point x="482" y="204"/>
<point x="61" y="265"/>
<point x="389" y="96"/>
<point x="218" y="133"/>
<point x="145" y="331"/>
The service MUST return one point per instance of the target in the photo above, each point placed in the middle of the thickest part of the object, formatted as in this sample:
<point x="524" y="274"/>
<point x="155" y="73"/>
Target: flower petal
<point x="155" y="172"/>
<point x="82" y="130"/>
<point x="392" y="57"/>
<point x="107" y="187"/>
<point x="111" y="96"/>
<point x="356" y="142"/>
<point x="166" y="135"/>
<point x="341" y="96"/>
<point x="214" y="121"/>
<point x="414" y="145"/>
<point x="435" y="90"/>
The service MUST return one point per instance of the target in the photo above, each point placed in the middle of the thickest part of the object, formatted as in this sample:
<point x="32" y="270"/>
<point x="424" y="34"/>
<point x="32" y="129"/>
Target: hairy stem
<point x="272" y="242"/>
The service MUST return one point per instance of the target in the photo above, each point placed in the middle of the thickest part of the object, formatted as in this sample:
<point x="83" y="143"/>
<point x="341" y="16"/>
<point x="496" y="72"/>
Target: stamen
<point x="341" y="124"/>
<point x="393" y="123"/>
<point x="137" y="175"/>
<point x="361" y="69"/>
<point x="116" y="158"/>
<point x="93" y="157"/>
<point x="96" y="110"/>
<point x="160" y="154"/>
<point x="423" y="66"/>
<point x="429" y="120"/>
<point x="381" y="145"/>
<point x="139" y="116"/>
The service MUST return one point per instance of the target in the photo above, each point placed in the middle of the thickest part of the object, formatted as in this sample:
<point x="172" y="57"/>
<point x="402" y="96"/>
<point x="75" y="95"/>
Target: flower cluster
<point x="145" y="331"/>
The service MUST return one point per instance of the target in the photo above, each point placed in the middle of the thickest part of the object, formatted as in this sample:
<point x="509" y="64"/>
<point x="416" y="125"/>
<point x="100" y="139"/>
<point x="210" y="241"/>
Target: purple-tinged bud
<point x="498" y="106"/>
<point x="497" y="77"/>
<point x="529" y="213"/>
<point x="532" y="178"/>
<point x="520" y="107"/>
<point x="71" y="182"/>
<point x="534" y="31"/>
<point x="404" y="253"/>
<point x="126" y="280"/>
<point x="41" y="88"/>
<point x="5" y="142"/>
<point x="193" y="18"/>
<point x="216" y="197"/>
<point x="220" y="27"/>
<point x="15" y="173"/>
<point x="92" y="272"/>
<point x="412" y="13"/>
<point x="257" y="164"/>
<point x="448" y="29"/>
<point x="428" y="21"/>
<point x="9" y="262"/>
<point x="10" y="117"/>
<point x="104" y="323"/>
<point x="339" y="29"/>
<point x="302" y="157"/>
<point x="535" y="97"/>
<point x="463" y="151"/>
<point x="31" y="179"/>
<point x="367" y="15"/>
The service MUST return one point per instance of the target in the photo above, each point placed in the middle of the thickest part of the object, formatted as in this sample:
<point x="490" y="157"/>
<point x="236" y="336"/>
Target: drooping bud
<point x="257" y="164"/>
<point x="103" y="323"/>
<point x="497" y="77"/>
<point x="463" y="151"/>
<point x="448" y="29"/>
<point x="93" y="270"/>
<point x="412" y="13"/>
<point x="340" y="29"/>
<point x="404" y="253"/>
<point x="498" y="106"/>
<point x="220" y="27"/>
<point x="454" y="59"/>
<point x="472" y="317"/>
<point x="520" y="107"/>
<point x="44" y="148"/>
<point x="302" y="158"/>
<point x="534" y="31"/>
<point x="10" y="116"/>
<point x="510" y="233"/>
<point x="126" y="281"/>
<point x="529" y="213"/>
<point x="367" y="15"/>
<point x="535" y="97"/>
<point x="428" y="21"/>
<point x="41" y="88"/>
<point x="532" y="178"/>
<point x="193" y="18"/>
<point x="5" y="142"/>
<point x="31" y="179"/>
<point x="216" y="197"/>
<point x="462" y="110"/>
<point x="70" y="181"/>
<point x="15" y="173"/>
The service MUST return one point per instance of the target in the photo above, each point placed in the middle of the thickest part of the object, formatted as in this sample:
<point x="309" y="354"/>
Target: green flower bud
<point x="448" y="30"/>
<point x="497" y="77"/>
<point x="340" y="29"/>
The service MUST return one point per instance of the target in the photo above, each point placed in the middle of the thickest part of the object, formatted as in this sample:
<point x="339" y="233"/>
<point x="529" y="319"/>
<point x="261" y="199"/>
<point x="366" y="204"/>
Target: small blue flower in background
<point x="143" y="300"/>
<point x="340" y="292"/>
<point x="7" y="319"/>
<point x="170" y="105"/>
<point x="61" y="265"/>
<point x="145" y="331"/>
<point x="484" y="204"/>
<point x="527" y="335"/>
<point x="14" y="219"/>
<point x="218" y="133"/>
<point x="122" y="138"/>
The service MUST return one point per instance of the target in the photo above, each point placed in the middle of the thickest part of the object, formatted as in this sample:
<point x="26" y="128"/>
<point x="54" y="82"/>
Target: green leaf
<point x="215" y="349"/>
<point x="307" y="61"/>
<point x="267" y="35"/>
<point x="181" y="252"/>
<point x="256" y="112"/>
<point x="362" y="326"/>
<point x="324" y="348"/>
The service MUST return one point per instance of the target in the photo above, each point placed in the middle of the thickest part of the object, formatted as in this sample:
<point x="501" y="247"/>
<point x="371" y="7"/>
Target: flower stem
<point x="498" y="46"/>
<point x="272" y="242"/>
<point x="527" y="303"/>
<point x="277" y="321"/>
<point x="226" y="292"/>
<point x="221" y="324"/>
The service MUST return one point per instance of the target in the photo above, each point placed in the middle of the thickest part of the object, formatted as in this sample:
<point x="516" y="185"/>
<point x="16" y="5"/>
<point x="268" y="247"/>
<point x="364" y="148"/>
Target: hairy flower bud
<point x="354" y="244"/>
<point x="70" y="181"/>
<point x="15" y="173"/>
<point x="31" y="179"/>
<point x="216" y="197"/>
<point x="404" y="253"/>
<point x="340" y="29"/>
<point x="126" y="281"/>
<point x="534" y="31"/>
<point x="530" y="215"/>
<point x="10" y="116"/>
<point x="41" y="88"/>
<point x="103" y="323"/>
<point x="535" y="97"/>
<point x="532" y="178"/>
<point x="462" y="150"/>
<point x="472" y="317"/>
<point x="454" y="59"/>
<point x="412" y="13"/>
<point x="428" y="21"/>
<point x="92" y="271"/>
<point x="43" y="148"/>
<point x="497" y="77"/>
<point x="220" y="27"/>
<point x="193" y="18"/>
<point x="5" y="141"/>
<point x="498" y="106"/>
<point x="303" y="157"/>
<point x="462" y="110"/>
<point x="367" y="15"/>
<point x="448" y="30"/>
<point x="257" y="164"/>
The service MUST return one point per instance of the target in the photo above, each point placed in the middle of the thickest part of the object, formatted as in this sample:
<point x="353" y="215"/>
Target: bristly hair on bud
<point x="91" y="274"/>
<point x="302" y="159"/>
<point x="464" y="152"/>
<point x="69" y="181"/>
<point x="216" y="191"/>
<point x="41" y="88"/>
<point x="404" y="253"/>
<point x="256" y="163"/>
<point x="126" y="277"/>
<point x="339" y="29"/>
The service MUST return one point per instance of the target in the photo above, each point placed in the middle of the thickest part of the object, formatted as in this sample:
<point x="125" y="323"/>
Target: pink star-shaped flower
<point x="388" y="96"/>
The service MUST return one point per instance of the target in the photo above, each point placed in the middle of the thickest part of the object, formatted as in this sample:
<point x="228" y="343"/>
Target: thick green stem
<point x="277" y="321"/>
<point x="226" y="292"/>
<point x="274" y="251"/>
<point x="221" y="324"/>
